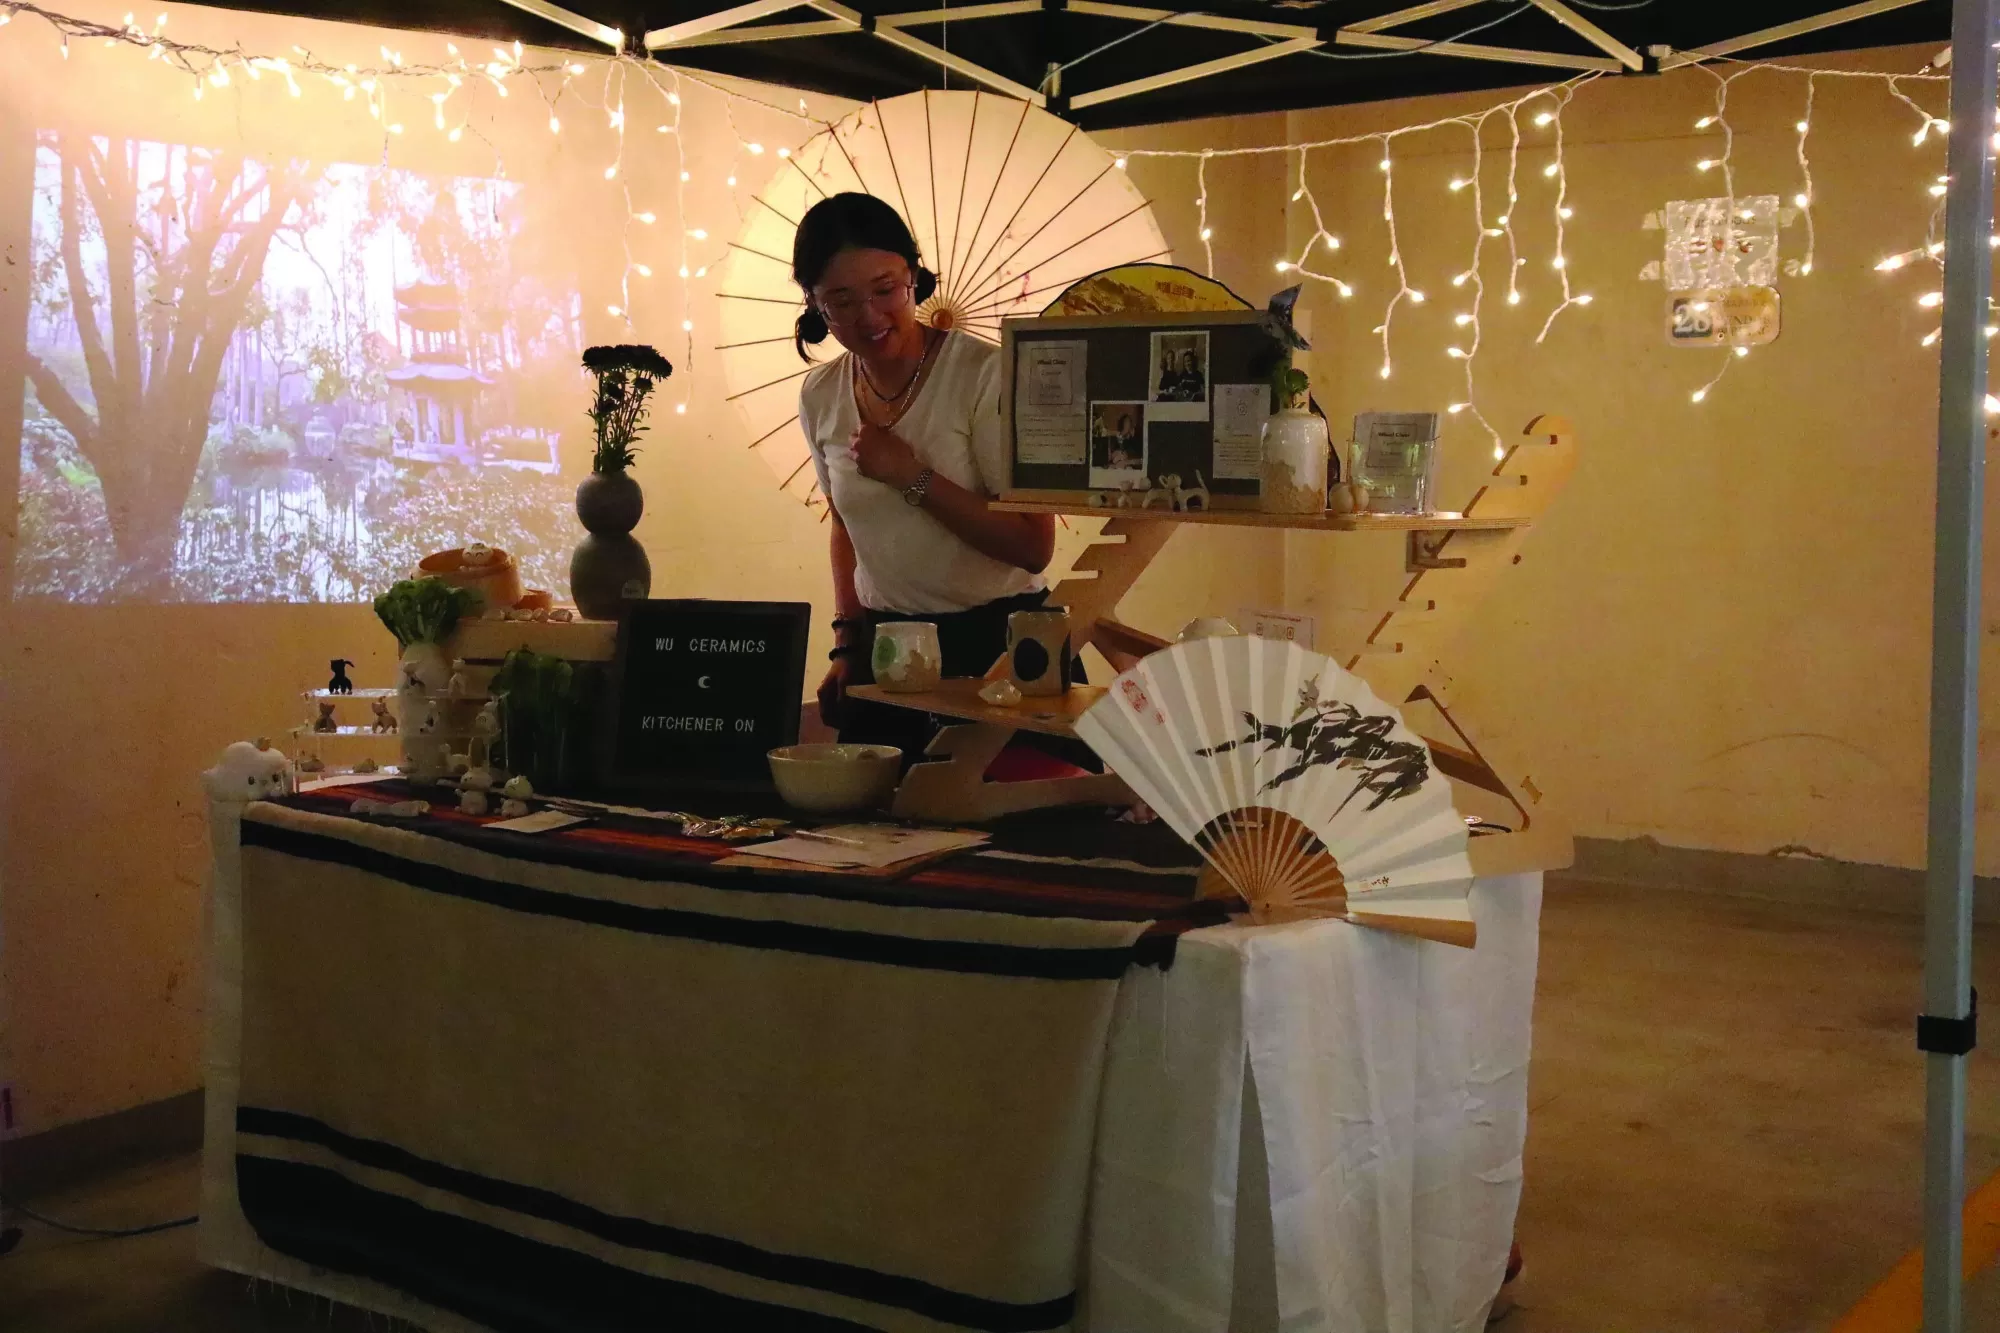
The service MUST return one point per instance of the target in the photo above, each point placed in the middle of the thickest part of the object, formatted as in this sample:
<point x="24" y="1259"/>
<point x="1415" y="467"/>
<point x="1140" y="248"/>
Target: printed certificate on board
<point x="1240" y="412"/>
<point x="1051" y="402"/>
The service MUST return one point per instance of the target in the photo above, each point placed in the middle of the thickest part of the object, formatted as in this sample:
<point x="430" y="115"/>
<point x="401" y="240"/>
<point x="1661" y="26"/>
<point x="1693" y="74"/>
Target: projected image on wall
<point x="286" y="381"/>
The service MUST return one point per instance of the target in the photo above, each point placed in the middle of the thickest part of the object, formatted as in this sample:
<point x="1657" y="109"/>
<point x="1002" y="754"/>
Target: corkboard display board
<point x="1154" y="389"/>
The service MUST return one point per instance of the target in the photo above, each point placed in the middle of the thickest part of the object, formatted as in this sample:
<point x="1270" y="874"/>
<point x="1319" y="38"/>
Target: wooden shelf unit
<point x="1453" y="561"/>
<point x="1047" y="714"/>
<point x="1252" y="518"/>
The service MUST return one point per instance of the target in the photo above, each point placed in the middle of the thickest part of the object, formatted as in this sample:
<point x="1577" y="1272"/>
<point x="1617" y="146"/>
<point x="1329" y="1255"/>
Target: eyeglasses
<point x="845" y="307"/>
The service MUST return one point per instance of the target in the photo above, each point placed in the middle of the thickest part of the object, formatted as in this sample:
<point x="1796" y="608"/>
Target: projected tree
<point x="161" y="252"/>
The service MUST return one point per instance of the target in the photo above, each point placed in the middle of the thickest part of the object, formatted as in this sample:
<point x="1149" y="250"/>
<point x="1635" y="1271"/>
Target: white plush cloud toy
<point x="249" y="773"/>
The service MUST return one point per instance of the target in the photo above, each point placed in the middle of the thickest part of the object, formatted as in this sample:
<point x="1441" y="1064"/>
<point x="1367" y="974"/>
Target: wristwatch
<point x="918" y="490"/>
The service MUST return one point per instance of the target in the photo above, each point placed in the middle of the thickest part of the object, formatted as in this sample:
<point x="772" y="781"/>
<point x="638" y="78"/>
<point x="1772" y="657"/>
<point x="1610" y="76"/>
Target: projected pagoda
<point x="443" y="389"/>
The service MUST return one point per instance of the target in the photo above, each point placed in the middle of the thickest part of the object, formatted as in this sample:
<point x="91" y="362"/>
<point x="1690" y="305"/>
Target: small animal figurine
<point x="460" y="765"/>
<point x="340" y="684"/>
<point x="1126" y="490"/>
<point x="518" y="788"/>
<point x="485" y="727"/>
<point x="1164" y="496"/>
<point x="1099" y="500"/>
<point x="1194" y="499"/>
<point x="368" y="766"/>
<point x="474" y="792"/>
<point x="513" y="809"/>
<point x="385" y="721"/>
<point x="1171" y="483"/>
<point x="249" y="771"/>
<point x="309" y="763"/>
<point x="325" y="721"/>
<point x="458" y="686"/>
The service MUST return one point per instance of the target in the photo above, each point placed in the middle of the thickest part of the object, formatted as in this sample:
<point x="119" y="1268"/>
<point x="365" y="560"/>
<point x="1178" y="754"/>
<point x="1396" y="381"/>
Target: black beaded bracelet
<point x="841" y="650"/>
<point x="841" y="622"/>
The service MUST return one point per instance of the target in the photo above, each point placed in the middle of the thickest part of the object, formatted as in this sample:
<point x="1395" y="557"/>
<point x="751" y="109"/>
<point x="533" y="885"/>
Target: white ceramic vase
<point x="1294" y="463"/>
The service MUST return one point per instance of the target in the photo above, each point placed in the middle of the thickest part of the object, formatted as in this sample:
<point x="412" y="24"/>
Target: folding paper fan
<point x="1303" y="790"/>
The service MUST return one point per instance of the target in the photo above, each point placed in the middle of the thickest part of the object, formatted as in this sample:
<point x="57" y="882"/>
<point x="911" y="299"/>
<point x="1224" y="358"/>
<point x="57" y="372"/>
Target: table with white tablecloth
<point x="1307" y="1127"/>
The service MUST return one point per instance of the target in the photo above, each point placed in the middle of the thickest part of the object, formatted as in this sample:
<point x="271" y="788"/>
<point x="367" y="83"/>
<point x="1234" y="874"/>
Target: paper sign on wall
<point x="1283" y="625"/>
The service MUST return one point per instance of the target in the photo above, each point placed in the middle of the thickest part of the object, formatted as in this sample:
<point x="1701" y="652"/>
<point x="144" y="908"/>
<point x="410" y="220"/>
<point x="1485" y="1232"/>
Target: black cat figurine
<point x="340" y="684"/>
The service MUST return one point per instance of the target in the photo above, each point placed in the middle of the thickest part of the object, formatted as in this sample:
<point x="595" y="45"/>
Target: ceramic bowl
<point x="827" y="778"/>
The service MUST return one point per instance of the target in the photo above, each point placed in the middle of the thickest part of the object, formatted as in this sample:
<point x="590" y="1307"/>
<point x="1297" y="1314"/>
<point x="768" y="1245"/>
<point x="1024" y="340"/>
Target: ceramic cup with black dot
<point x="1038" y="650"/>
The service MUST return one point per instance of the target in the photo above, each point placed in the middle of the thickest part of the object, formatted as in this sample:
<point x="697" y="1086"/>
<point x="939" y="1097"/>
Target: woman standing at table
<point x="906" y="434"/>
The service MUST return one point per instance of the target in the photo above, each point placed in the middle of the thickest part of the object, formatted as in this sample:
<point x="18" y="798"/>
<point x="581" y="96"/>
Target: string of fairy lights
<point x="391" y="89"/>
<point x="604" y="84"/>
<point x="1544" y="110"/>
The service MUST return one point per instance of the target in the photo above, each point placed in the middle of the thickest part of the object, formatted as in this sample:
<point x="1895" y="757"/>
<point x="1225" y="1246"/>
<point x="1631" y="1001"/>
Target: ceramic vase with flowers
<point x="609" y="565"/>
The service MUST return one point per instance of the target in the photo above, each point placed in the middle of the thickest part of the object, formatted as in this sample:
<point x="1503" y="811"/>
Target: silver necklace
<point x="896" y="403"/>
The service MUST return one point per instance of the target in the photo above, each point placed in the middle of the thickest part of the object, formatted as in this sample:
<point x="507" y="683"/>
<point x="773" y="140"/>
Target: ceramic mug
<point x="1038" y="650"/>
<point x="906" y="656"/>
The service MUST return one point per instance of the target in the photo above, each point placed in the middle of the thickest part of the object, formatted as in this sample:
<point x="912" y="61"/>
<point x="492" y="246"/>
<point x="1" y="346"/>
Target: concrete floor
<point x="1726" y="1130"/>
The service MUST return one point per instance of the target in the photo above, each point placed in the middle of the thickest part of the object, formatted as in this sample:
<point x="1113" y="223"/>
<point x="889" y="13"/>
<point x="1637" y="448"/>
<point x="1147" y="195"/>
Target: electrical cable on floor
<point x="100" y="1233"/>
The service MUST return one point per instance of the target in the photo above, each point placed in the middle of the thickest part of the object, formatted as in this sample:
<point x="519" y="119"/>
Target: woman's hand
<point x="884" y="456"/>
<point x="833" y="693"/>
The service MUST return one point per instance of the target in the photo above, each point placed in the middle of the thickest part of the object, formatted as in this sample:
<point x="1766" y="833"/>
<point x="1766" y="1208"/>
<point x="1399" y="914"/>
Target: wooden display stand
<point x="1453" y="561"/>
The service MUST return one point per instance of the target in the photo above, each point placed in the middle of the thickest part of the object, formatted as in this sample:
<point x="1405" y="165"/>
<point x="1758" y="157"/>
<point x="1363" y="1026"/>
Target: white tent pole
<point x="1944" y="1029"/>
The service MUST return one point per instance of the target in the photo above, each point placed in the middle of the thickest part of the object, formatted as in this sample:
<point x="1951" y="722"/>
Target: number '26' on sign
<point x="1738" y="317"/>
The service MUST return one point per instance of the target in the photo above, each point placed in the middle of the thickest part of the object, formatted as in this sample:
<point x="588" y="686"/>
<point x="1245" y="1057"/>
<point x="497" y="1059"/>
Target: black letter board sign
<point x="701" y="690"/>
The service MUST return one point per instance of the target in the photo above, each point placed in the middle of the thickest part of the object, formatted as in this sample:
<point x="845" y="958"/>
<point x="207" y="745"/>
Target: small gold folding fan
<point x="1303" y="790"/>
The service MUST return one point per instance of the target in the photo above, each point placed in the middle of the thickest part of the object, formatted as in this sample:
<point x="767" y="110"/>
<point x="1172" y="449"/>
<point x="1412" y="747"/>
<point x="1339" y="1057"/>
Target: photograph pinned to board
<point x="1051" y="402"/>
<point x="1179" y="387"/>
<point x="1118" y="445"/>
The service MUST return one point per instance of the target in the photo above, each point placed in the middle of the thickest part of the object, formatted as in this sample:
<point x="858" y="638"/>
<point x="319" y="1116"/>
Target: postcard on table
<point x="870" y="846"/>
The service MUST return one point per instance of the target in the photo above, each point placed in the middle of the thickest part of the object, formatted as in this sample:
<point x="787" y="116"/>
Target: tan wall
<point x="1720" y="637"/>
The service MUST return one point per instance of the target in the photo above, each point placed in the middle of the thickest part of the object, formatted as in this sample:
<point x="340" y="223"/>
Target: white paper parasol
<point x="1009" y="206"/>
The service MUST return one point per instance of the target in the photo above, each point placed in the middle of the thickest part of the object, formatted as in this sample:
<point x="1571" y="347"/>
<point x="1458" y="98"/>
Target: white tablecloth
<point x="1316" y="1128"/>
<point x="1313" y="1128"/>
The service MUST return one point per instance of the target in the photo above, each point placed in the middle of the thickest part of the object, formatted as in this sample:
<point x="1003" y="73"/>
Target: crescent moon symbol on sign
<point x="701" y="682"/>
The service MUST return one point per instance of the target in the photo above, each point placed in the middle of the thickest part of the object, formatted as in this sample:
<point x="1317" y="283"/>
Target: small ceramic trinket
<point x="340" y="684"/>
<point x="562" y="615"/>
<point x="518" y="788"/>
<point x="1161" y="493"/>
<point x="385" y="721"/>
<point x="458" y="686"/>
<point x="249" y="771"/>
<point x="310" y="763"/>
<point x="459" y="765"/>
<point x="513" y="809"/>
<point x="325" y="721"/>
<point x="1001" y="693"/>
<point x="473" y="792"/>
<point x="368" y="766"/>
<point x="485" y="727"/>
<point x="1195" y="498"/>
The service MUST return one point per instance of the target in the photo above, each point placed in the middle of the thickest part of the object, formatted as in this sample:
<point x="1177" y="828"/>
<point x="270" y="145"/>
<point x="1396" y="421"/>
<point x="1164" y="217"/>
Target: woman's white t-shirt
<point x="904" y="559"/>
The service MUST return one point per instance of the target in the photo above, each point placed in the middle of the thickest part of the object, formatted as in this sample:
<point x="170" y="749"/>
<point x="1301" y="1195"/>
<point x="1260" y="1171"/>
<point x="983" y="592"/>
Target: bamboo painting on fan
<point x="1303" y="790"/>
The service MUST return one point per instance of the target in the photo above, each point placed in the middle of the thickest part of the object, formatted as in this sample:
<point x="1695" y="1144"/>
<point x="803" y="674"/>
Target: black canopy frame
<point x="1106" y="63"/>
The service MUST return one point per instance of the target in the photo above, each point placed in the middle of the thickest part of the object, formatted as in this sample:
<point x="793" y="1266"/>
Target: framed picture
<point x="1097" y="404"/>
<point x="1178" y="388"/>
<point x="1118" y="446"/>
